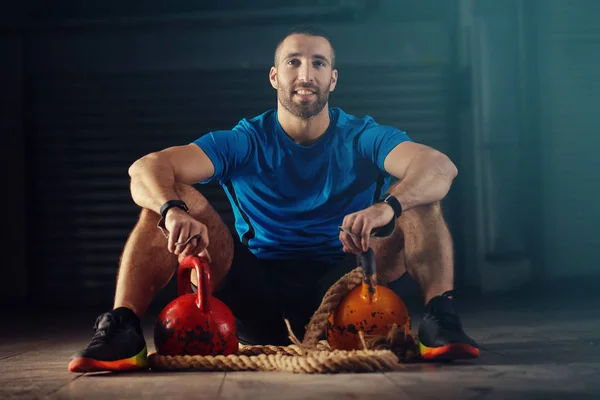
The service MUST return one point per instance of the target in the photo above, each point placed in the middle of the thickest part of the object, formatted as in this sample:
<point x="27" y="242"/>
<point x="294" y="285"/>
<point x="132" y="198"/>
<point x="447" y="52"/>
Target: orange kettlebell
<point x="369" y="307"/>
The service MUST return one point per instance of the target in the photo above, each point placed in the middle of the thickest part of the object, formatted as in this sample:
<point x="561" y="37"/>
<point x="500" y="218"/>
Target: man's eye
<point x="319" y="64"/>
<point x="293" y="62"/>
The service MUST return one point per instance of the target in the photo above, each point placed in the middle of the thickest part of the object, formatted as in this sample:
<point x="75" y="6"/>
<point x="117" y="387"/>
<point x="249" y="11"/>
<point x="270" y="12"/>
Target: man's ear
<point x="334" y="79"/>
<point x="273" y="77"/>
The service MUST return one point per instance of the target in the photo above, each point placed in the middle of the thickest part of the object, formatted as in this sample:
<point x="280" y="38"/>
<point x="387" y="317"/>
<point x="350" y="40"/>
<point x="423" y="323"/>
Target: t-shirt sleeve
<point x="228" y="150"/>
<point x="376" y="142"/>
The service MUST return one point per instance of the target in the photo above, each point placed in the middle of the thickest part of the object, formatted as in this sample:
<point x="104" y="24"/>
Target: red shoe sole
<point x="83" y="364"/>
<point x="449" y="352"/>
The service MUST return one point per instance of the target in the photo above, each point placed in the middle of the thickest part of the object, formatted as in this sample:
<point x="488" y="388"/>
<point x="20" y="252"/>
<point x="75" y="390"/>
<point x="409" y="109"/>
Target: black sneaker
<point x="441" y="335"/>
<point x="117" y="345"/>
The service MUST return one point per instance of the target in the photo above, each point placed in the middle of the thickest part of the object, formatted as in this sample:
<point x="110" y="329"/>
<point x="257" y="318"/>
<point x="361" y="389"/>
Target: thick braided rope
<point x="318" y="322"/>
<point x="291" y="350"/>
<point x="314" y="362"/>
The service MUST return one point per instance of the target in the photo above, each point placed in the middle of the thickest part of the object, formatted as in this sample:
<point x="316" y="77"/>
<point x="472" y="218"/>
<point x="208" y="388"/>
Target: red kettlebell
<point x="195" y="323"/>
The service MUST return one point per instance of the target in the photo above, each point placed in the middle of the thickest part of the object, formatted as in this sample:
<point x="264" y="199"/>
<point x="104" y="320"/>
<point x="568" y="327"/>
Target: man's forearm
<point x="428" y="179"/>
<point x="152" y="182"/>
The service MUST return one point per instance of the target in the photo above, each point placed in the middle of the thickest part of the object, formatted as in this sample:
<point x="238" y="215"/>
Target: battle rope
<point x="379" y="353"/>
<point x="332" y="298"/>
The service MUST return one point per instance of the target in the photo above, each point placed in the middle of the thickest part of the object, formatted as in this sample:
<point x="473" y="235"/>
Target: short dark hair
<point x="309" y="30"/>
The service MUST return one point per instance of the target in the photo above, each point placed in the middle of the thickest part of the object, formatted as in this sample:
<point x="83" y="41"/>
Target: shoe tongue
<point x="106" y="320"/>
<point x="441" y="304"/>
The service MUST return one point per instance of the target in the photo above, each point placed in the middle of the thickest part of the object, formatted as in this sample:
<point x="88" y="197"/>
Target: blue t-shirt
<point x="288" y="200"/>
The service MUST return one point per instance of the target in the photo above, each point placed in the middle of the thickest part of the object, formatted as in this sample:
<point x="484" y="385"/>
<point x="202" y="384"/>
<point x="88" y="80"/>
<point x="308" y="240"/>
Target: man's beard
<point x="303" y="109"/>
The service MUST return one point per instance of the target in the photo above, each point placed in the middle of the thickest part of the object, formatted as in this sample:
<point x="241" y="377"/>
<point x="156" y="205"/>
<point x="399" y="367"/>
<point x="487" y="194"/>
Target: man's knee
<point x="424" y="211"/>
<point x="148" y="215"/>
<point x="199" y="206"/>
<point x="185" y="192"/>
<point x="420" y="218"/>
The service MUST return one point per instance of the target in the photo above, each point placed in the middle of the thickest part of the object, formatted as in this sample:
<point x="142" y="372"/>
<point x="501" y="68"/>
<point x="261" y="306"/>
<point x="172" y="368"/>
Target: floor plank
<point x="498" y="381"/>
<point x="143" y="385"/>
<point x="36" y="373"/>
<point x="289" y="386"/>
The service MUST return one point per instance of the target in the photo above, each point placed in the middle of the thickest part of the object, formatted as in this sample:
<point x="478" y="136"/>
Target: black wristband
<point x="393" y="202"/>
<point x="173" y="203"/>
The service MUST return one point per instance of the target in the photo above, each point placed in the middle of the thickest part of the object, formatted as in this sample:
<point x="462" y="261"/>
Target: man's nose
<point x="305" y="73"/>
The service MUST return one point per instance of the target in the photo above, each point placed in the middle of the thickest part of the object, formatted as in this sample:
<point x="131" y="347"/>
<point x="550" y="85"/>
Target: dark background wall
<point x="569" y="92"/>
<point x="14" y="264"/>
<point x="507" y="89"/>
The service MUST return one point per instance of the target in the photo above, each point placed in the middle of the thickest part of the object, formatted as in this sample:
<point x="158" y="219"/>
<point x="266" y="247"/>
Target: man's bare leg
<point x="146" y="267"/>
<point x="146" y="264"/>
<point x="422" y="245"/>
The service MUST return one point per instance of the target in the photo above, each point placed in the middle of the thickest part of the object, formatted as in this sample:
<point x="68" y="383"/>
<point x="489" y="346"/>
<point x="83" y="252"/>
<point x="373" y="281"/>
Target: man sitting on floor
<point x="293" y="176"/>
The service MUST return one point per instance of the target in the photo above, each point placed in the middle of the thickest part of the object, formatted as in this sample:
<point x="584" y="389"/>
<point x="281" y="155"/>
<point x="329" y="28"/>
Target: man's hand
<point x="187" y="235"/>
<point x="357" y="226"/>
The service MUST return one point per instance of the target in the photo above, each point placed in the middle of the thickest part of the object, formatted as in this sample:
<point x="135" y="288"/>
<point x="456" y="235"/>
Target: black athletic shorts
<point x="262" y="293"/>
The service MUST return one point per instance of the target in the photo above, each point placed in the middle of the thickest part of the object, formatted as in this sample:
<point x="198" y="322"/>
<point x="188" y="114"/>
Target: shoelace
<point x="107" y="331"/>
<point x="442" y="314"/>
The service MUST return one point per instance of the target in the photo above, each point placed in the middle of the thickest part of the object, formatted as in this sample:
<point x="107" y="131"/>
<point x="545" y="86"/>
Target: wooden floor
<point x="532" y="350"/>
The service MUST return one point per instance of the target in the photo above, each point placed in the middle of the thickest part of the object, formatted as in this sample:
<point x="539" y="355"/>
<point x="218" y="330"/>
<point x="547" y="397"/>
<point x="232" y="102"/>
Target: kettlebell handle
<point x="366" y="261"/>
<point x="204" y="280"/>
